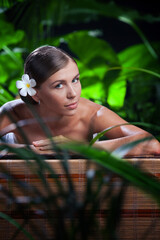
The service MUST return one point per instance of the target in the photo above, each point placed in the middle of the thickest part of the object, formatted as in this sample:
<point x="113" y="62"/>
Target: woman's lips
<point x="72" y="105"/>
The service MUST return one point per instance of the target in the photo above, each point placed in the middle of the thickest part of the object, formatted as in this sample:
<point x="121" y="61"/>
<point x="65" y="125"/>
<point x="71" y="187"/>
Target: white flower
<point x="26" y="86"/>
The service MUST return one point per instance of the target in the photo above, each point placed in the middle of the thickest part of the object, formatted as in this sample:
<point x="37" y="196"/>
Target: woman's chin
<point x="70" y="112"/>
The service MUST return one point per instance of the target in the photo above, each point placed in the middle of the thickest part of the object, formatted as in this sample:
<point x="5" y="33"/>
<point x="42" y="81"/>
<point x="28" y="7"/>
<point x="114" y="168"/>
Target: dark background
<point x="119" y="34"/>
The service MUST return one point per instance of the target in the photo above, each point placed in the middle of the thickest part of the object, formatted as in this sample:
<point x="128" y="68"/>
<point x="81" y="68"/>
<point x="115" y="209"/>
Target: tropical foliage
<point x="127" y="81"/>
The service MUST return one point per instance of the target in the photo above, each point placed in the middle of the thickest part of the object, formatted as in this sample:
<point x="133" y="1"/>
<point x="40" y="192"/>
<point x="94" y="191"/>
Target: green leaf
<point x="101" y="134"/>
<point x="141" y="67"/>
<point x="11" y="69"/>
<point x="141" y="34"/>
<point x="94" y="57"/>
<point x="16" y="224"/>
<point x="142" y="124"/>
<point x="141" y="73"/>
<point x="8" y="34"/>
<point x="138" y="56"/>
<point x="124" y="149"/>
<point x="134" y="175"/>
<point x="115" y="87"/>
<point x="88" y="47"/>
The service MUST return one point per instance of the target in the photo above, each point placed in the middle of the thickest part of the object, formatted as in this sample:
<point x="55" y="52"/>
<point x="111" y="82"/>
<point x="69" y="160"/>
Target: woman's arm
<point x="146" y="147"/>
<point x="123" y="134"/>
<point x="7" y="127"/>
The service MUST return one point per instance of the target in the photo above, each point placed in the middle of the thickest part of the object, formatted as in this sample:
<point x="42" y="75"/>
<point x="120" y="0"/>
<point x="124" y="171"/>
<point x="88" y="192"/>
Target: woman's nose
<point x="71" y="93"/>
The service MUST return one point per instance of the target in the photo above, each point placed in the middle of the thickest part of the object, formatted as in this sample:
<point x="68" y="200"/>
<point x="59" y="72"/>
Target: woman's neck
<point x="53" y="118"/>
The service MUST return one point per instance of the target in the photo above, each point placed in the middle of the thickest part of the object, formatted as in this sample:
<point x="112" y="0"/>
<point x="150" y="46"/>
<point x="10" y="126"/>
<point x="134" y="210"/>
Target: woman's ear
<point x="36" y="97"/>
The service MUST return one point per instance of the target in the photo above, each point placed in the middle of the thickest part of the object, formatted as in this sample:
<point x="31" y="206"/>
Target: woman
<point x="52" y="87"/>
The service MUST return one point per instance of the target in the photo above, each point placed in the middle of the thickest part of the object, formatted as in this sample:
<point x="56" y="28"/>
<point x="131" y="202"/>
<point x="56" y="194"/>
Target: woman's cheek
<point x="77" y="86"/>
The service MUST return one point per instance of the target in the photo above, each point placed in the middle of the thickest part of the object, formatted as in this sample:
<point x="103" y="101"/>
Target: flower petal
<point x="25" y="77"/>
<point x="19" y="84"/>
<point x="23" y="92"/>
<point x="31" y="91"/>
<point x="32" y="82"/>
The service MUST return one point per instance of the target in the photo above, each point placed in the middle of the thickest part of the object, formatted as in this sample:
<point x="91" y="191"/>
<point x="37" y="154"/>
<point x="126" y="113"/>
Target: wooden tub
<point x="140" y="215"/>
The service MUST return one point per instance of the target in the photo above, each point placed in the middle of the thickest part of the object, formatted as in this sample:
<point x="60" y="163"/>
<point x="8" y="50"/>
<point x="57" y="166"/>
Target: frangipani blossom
<point x="26" y="86"/>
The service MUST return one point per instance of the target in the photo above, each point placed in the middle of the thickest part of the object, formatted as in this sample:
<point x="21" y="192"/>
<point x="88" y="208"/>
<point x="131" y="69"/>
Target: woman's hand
<point x="46" y="144"/>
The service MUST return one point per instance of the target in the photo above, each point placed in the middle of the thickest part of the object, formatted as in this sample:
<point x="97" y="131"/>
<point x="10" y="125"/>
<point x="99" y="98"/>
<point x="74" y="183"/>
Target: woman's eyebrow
<point x="61" y="80"/>
<point x="76" y="76"/>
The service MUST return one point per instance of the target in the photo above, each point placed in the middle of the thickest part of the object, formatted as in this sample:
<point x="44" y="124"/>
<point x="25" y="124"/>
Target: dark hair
<point x="42" y="63"/>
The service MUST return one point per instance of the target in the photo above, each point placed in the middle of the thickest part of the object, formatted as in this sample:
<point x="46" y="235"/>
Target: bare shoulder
<point x="100" y="116"/>
<point x="17" y="108"/>
<point x="96" y="116"/>
<point x="5" y="110"/>
<point x="88" y="107"/>
<point x="94" y="110"/>
<point x="12" y="106"/>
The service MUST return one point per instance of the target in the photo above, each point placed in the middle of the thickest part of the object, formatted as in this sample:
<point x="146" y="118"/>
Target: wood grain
<point x="139" y="214"/>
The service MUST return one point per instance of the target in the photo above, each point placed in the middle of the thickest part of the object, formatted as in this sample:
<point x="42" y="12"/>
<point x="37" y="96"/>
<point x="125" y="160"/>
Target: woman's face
<point x="60" y="93"/>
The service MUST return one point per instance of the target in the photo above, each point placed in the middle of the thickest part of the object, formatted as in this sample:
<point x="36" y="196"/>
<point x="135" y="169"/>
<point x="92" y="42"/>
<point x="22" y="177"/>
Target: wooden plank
<point x="139" y="211"/>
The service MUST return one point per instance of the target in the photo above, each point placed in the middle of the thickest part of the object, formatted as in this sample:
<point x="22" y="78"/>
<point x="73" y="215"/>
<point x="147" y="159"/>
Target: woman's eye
<point x="75" y="80"/>
<point x="59" y="85"/>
